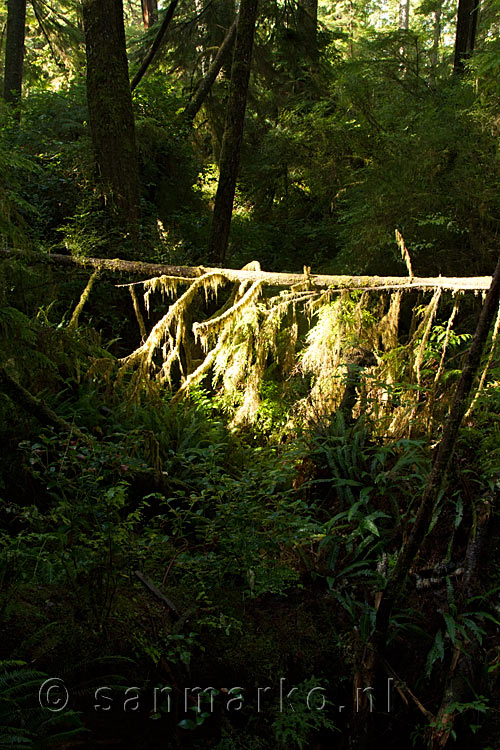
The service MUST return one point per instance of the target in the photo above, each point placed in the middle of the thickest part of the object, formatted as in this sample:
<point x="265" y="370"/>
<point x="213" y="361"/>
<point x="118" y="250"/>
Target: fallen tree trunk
<point x="375" y="648"/>
<point x="32" y="405"/>
<point x="441" y="463"/>
<point x="315" y="281"/>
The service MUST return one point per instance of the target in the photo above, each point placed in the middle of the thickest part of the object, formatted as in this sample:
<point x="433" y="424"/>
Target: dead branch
<point x="443" y="457"/>
<point x="32" y="405"/>
<point x="138" y="314"/>
<point x="409" y="550"/>
<point x="157" y="593"/>
<point x="317" y="281"/>
<point x="487" y="365"/>
<point x="73" y="323"/>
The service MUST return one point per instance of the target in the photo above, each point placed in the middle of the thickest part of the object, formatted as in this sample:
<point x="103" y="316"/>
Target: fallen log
<point x="34" y="406"/>
<point x="315" y="281"/>
<point x="377" y="643"/>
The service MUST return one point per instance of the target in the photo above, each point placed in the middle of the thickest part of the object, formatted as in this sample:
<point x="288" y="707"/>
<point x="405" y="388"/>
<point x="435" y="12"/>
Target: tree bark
<point x="156" y="45"/>
<point x="444" y="454"/>
<point x="109" y="99"/>
<point x="233" y="130"/>
<point x="207" y="82"/>
<point x="307" y="17"/>
<point x="14" y="50"/>
<point x="44" y="414"/>
<point x="395" y="583"/>
<point x="404" y="15"/>
<point x="149" y="12"/>
<point x="315" y="281"/>
<point x="468" y="11"/>
<point x="213" y="22"/>
<point x="436" y="36"/>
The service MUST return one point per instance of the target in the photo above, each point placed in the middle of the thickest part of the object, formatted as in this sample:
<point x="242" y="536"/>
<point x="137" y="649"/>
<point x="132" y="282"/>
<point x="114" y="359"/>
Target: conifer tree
<point x="233" y="130"/>
<point x="14" y="50"/>
<point x="110" y="107"/>
<point x="465" y="38"/>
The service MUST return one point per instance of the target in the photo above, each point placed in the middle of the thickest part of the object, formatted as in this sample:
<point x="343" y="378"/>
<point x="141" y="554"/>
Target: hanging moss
<point x="343" y="346"/>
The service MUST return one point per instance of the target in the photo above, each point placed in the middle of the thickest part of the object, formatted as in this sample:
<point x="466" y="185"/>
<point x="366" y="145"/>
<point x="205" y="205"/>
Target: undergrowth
<point x="266" y="543"/>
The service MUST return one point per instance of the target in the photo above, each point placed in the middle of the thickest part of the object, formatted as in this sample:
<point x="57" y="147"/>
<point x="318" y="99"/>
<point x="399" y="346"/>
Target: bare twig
<point x="149" y="585"/>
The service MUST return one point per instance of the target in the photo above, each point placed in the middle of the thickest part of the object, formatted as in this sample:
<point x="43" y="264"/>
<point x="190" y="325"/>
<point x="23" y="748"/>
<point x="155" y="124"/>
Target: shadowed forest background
<point x="249" y="374"/>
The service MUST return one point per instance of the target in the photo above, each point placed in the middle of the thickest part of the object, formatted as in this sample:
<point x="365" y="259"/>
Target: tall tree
<point x="14" y="50"/>
<point x="404" y="14"/>
<point x="149" y="12"/>
<point x="233" y="130"/>
<point x="109" y="99"/>
<point x="307" y="24"/>
<point x="436" y="34"/>
<point x="468" y="11"/>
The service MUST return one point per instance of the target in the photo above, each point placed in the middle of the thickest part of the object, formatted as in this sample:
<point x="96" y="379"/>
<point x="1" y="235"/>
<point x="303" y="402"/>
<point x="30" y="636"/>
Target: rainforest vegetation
<point x="249" y="374"/>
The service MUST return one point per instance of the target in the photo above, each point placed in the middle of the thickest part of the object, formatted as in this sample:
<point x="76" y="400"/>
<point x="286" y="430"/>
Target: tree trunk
<point x="308" y="26"/>
<point x="153" y="51"/>
<point x="404" y="15"/>
<point x="395" y="584"/>
<point x="316" y="281"/>
<point x="468" y="11"/>
<point x="224" y="15"/>
<point x="109" y="99"/>
<point x="436" y="36"/>
<point x="207" y="82"/>
<point x="149" y="12"/>
<point x="233" y="130"/>
<point x="213" y="26"/>
<point x="14" y="50"/>
<point x="444" y="454"/>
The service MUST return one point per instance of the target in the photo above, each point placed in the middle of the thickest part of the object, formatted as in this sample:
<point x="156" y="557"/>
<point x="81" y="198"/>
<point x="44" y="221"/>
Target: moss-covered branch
<point x="320" y="281"/>
<point x="32" y="405"/>
<point x="73" y="323"/>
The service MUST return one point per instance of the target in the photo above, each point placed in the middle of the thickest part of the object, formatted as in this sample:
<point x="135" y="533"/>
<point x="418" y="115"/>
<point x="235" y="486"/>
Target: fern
<point x="23" y="722"/>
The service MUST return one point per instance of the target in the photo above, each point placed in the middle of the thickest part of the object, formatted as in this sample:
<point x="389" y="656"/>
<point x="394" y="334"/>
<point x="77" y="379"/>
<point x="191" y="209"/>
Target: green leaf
<point x="451" y="627"/>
